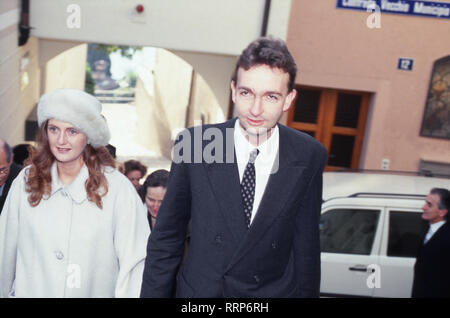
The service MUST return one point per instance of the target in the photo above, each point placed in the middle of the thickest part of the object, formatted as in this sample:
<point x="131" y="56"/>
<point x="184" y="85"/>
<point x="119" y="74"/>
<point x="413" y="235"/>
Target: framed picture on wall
<point x="436" y="117"/>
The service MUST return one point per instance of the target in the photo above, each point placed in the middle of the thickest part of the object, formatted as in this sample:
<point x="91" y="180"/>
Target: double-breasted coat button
<point x="274" y="245"/>
<point x="218" y="239"/>
<point x="59" y="255"/>
<point x="256" y="278"/>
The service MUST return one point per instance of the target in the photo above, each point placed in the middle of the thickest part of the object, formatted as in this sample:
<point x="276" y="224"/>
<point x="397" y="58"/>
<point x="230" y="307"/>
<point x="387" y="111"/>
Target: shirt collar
<point x="435" y="226"/>
<point x="267" y="149"/>
<point x="76" y="190"/>
<point x="1" y="188"/>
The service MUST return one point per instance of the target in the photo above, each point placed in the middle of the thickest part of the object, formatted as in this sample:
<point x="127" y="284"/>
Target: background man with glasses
<point x="8" y="171"/>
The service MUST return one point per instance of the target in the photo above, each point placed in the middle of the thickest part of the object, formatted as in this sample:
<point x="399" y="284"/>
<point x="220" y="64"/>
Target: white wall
<point x="63" y="65"/>
<point x="278" y="25"/>
<point x="201" y="25"/>
<point x="211" y="26"/>
<point x="216" y="70"/>
<point x="19" y="75"/>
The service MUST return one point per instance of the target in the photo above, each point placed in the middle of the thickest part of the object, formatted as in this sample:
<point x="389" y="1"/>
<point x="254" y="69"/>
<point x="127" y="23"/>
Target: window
<point x="341" y="150"/>
<point x="307" y="106"/>
<point x="347" y="110"/>
<point x="436" y="117"/>
<point x="336" y="118"/>
<point x="406" y="230"/>
<point x="348" y="231"/>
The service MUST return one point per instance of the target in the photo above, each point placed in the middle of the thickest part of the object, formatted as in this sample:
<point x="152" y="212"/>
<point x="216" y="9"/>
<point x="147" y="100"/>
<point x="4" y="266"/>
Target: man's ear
<point x="233" y="91"/>
<point x="290" y="99"/>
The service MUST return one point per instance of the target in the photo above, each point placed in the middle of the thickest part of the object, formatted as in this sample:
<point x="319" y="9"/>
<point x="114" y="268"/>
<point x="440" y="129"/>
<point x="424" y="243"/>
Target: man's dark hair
<point x="444" y="202"/>
<point x="131" y="165"/>
<point x="21" y="153"/>
<point x="268" y="51"/>
<point x="158" y="178"/>
<point x="112" y="150"/>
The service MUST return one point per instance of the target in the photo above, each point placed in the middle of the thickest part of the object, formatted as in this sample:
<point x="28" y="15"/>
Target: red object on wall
<point x="140" y="8"/>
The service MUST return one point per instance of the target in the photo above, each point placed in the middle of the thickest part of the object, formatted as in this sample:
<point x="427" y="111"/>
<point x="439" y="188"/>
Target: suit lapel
<point x="278" y="190"/>
<point x="224" y="179"/>
<point x="437" y="234"/>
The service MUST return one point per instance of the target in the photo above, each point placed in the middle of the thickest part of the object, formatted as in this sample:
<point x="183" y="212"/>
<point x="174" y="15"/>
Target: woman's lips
<point x="63" y="150"/>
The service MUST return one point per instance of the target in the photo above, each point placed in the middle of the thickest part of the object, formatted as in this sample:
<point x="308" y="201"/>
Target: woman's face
<point x="134" y="176"/>
<point x="66" y="142"/>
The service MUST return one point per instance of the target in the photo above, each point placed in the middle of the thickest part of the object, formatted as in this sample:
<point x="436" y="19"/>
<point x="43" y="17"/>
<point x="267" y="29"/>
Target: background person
<point x="21" y="154"/>
<point x="135" y="171"/>
<point x="112" y="150"/>
<point x="254" y="222"/>
<point x="72" y="225"/>
<point x="152" y="193"/>
<point x="8" y="171"/>
<point x="431" y="271"/>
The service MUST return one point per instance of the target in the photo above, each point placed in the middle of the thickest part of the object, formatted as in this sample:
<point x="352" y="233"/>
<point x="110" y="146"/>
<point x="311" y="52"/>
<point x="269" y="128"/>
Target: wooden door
<point x="336" y="118"/>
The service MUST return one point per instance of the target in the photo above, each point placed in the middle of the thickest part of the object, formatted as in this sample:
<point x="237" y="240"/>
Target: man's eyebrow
<point x="273" y="93"/>
<point x="266" y="93"/>
<point x="245" y="88"/>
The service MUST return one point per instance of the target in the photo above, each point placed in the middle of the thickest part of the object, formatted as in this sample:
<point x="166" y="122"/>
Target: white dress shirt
<point x="433" y="229"/>
<point x="265" y="163"/>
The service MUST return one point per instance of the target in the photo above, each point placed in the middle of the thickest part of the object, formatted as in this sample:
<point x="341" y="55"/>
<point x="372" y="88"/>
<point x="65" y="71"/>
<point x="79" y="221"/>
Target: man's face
<point x="431" y="211"/>
<point x="154" y="198"/>
<point x="261" y="96"/>
<point x="4" y="167"/>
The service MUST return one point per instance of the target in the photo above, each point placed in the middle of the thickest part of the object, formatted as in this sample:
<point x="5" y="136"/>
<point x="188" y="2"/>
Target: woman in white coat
<point x="72" y="226"/>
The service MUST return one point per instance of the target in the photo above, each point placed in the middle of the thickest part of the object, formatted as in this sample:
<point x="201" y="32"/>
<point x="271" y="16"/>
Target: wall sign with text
<point x="405" y="64"/>
<point x="431" y="9"/>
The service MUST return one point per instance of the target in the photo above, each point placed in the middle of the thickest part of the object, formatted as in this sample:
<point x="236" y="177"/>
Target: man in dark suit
<point x="432" y="269"/>
<point x="8" y="171"/>
<point x="252" y="189"/>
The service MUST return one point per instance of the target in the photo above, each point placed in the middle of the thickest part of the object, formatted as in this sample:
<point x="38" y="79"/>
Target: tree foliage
<point x="125" y="51"/>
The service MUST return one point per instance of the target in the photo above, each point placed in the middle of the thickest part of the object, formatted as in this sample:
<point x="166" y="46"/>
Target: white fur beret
<point x="78" y="108"/>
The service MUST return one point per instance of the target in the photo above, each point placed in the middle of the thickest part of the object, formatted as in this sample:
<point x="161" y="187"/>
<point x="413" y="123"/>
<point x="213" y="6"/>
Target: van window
<point x="406" y="230"/>
<point x="348" y="231"/>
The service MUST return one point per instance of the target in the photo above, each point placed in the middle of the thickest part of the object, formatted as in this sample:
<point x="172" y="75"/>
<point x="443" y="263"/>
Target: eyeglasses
<point x="4" y="170"/>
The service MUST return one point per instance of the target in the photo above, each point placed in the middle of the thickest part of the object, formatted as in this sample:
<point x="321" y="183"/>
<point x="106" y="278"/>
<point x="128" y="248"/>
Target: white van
<point x="370" y="231"/>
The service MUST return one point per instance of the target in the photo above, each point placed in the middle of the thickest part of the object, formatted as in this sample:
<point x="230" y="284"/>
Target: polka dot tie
<point x="248" y="186"/>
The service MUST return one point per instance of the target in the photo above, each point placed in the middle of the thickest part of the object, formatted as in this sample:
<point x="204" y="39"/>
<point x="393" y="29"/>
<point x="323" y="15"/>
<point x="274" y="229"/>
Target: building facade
<point x="365" y="82"/>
